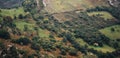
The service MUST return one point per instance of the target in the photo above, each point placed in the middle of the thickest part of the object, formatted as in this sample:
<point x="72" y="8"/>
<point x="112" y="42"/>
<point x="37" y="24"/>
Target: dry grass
<point x="57" y="6"/>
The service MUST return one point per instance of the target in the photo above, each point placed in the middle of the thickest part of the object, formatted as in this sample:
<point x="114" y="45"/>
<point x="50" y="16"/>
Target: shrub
<point x="20" y="16"/>
<point x="35" y="46"/>
<point x="63" y="52"/>
<point x="73" y="52"/>
<point x="23" y="41"/>
<point x="2" y="45"/>
<point x="4" y="34"/>
<point x="112" y="29"/>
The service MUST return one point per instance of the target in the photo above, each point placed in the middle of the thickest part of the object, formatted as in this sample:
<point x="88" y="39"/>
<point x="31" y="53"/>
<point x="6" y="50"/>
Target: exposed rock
<point x="115" y="3"/>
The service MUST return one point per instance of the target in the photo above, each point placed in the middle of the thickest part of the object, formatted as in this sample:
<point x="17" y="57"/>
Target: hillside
<point x="57" y="6"/>
<point x="59" y="29"/>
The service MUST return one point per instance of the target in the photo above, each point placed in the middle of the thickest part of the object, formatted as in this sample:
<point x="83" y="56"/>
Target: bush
<point x="2" y="45"/>
<point x="23" y="41"/>
<point x="31" y="56"/>
<point x="63" y="52"/>
<point x="73" y="52"/>
<point x="4" y="34"/>
<point x="35" y="46"/>
<point x="112" y="29"/>
<point x="20" y="16"/>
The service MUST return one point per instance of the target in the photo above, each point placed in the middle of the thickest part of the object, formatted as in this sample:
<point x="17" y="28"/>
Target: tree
<point x="112" y="29"/>
<point x="35" y="46"/>
<point x="23" y="41"/>
<point x="20" y="16"/>
<point x="31" y="56"/>
<point x="63" y="52"/>
<point x="25" y="28"/>
<point x="7" y="19"/>
<point x="13" y="52"/>
<point x="2" y="45"/>
<point x="73" y="52"/>
<point x="4" y="34"/>
<point x="0" y="10"/>
<point x="9" y="53"/>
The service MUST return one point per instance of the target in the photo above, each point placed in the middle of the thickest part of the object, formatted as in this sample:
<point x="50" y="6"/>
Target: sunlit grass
<point x="12" y="12"/>
<point x="43" y="33"/>
<point x="21" y="24"/>
<point x="103" y="49"/>
<point x="102" y="14"/>
<point x="111" y="34"/>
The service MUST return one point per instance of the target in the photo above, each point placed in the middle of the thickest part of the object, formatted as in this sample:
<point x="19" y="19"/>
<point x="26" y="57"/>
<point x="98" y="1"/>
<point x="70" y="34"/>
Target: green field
<point x="56" y="6"/>
<point x="102" y="14"/>
<point x="12" y="12"/>
<point x="20" y="25"/>
<point x="82" y="43"/>
<point x="42" y="33"/>
<point x="111" y="34"/>
<point x="103" y="49"/>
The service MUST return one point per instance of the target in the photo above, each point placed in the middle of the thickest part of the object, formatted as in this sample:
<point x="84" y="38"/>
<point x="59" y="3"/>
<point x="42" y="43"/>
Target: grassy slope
<point x="20" y="25"/>
<point x="43" y="33"/>
<point x="102" y="14"/>
<point x="104" y="49"/>
<point x="65" y="5"/>
<point x="12" y="12"/>
<point x="112" y="35"/>
<point x="57" y="6"/>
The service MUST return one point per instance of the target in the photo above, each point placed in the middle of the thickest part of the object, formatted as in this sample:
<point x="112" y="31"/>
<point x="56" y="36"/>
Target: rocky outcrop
<point x="114" y="3"/>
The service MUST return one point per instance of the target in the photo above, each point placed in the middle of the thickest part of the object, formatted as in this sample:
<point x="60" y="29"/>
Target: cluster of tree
<point x="2" y="45"/>
<point x="23" y="41"/>
<point x="114" y="54"/>
<point x="29" y="5"/>
<point x="35" y="45"/>
<point x="114" y="43"/>
<point x="38" y="43"/>
<point x="7" y="22"/>
<point x="11" y="53"/>
<point x="32" y="7"/>
<point x="4" y="34"/>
